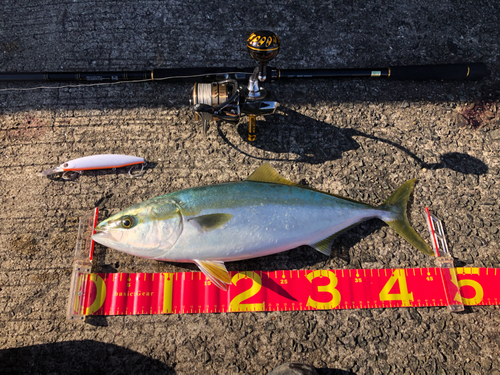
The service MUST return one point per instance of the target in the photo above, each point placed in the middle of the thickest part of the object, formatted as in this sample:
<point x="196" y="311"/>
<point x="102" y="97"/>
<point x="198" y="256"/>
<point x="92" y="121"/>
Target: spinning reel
<point x="226" y="100"/>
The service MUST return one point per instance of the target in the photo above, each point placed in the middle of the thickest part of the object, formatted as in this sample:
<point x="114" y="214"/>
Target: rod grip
<point x="440" y="72"/>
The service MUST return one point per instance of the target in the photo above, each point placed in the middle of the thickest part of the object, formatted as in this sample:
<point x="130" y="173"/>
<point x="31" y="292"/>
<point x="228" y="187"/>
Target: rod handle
<point x="445" y="71"/>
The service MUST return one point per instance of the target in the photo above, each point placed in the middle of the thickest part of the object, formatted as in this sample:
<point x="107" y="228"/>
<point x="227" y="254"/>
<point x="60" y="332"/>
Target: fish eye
<point x="127" y="222"/>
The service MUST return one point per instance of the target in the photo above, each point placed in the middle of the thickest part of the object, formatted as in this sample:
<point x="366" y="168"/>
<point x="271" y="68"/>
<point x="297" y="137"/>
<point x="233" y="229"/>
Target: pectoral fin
<point x="216" y="271"/>
<point x="211" y="221"/>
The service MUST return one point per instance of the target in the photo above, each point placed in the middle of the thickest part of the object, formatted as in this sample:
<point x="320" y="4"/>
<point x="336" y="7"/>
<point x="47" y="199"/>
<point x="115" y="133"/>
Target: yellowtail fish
<point x="263" y="215"/>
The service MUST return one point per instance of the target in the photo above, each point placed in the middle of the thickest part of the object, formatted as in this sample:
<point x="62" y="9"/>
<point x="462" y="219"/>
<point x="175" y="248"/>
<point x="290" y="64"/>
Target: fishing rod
<point x="218" y="94"/>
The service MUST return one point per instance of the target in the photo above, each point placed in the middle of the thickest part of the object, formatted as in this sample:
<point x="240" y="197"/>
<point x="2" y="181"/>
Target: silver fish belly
<point x="266" y="219"/>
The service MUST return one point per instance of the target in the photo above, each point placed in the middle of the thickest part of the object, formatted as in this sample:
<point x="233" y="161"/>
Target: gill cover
<point x="147" y="229"/>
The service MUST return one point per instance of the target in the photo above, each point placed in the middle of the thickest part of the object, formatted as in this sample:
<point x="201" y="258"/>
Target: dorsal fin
<point x="266" y="173"/>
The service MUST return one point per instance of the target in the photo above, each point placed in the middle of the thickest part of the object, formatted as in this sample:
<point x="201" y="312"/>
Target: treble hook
<point x="70" y="175"/>
<point x="135" y="167"/>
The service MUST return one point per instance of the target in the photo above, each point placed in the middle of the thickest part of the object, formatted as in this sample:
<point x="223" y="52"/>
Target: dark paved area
<point x="358" y="138"/>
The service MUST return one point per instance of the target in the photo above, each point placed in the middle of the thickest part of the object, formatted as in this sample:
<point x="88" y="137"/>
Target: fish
<point x="262" y="215"/>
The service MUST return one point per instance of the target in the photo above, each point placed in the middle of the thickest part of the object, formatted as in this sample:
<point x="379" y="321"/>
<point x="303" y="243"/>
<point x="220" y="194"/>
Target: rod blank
<point x="416" y="72"/>
<point x="473" y="71"/>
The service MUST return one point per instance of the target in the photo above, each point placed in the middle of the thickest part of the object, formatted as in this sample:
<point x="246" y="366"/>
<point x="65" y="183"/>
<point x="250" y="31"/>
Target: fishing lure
<point x="72" y="168"/>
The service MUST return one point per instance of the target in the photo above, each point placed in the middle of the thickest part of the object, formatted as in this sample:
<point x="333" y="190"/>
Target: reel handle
<point x="263" y="46"/>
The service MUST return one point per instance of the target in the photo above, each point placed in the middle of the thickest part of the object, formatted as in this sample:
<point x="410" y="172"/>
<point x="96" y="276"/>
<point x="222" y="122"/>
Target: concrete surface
<point x="358" y="138"/>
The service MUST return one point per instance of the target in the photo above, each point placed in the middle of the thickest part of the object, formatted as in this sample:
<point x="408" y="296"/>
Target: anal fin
<point x="324" y="245"/>
<point x="216" y="271"/>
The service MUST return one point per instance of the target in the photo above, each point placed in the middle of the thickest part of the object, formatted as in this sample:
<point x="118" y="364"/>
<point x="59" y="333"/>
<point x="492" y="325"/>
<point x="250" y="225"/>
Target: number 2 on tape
<point x="235" y="304"/>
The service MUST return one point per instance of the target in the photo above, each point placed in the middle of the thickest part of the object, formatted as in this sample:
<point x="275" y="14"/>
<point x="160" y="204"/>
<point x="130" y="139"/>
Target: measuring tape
<point x="284" y="290"/>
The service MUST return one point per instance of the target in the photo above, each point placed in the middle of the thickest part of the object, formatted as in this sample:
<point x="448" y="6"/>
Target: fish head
<point x="147" y="229"/>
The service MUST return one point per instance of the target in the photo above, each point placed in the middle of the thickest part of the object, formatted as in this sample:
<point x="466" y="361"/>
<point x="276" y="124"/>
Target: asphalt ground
<point x="360" y="138"/>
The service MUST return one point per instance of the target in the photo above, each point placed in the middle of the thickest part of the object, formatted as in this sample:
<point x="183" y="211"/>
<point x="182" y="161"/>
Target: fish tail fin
<point x="396" y="204"/>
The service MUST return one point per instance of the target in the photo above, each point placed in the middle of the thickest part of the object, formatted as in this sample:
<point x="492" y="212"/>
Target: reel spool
<point x="226" y="101"/>
<point x="216" y="101"/>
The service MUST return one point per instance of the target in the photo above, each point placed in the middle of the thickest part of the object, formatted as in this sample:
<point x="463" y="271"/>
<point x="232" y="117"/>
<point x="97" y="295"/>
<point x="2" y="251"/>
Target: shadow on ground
<point x="78" y="357"/>
<point x="316" y="142"/>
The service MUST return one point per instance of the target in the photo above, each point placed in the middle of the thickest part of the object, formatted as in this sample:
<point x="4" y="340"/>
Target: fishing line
<point x="116" y="83"/>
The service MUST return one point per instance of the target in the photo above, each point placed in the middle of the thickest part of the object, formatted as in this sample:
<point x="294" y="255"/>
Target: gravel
<point x="355" y="137"/>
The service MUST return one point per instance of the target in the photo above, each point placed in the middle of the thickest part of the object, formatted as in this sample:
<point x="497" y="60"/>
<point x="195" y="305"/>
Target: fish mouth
<point x="107" y="237"/>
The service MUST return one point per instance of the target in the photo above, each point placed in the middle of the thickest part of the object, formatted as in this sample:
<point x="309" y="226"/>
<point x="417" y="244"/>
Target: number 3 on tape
<point x="329" y="288"/>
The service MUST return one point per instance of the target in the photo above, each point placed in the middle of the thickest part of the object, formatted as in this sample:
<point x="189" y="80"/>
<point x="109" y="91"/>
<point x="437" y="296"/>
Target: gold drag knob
<point x="251" y="128"/>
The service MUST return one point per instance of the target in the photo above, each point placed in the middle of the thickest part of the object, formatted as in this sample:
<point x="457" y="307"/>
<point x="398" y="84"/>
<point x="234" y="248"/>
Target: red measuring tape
<point x="284" y="290"/>
<point x="192" y="292"/>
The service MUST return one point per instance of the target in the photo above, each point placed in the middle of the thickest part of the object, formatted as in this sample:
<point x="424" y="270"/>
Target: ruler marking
<point x="131" y="295"/>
